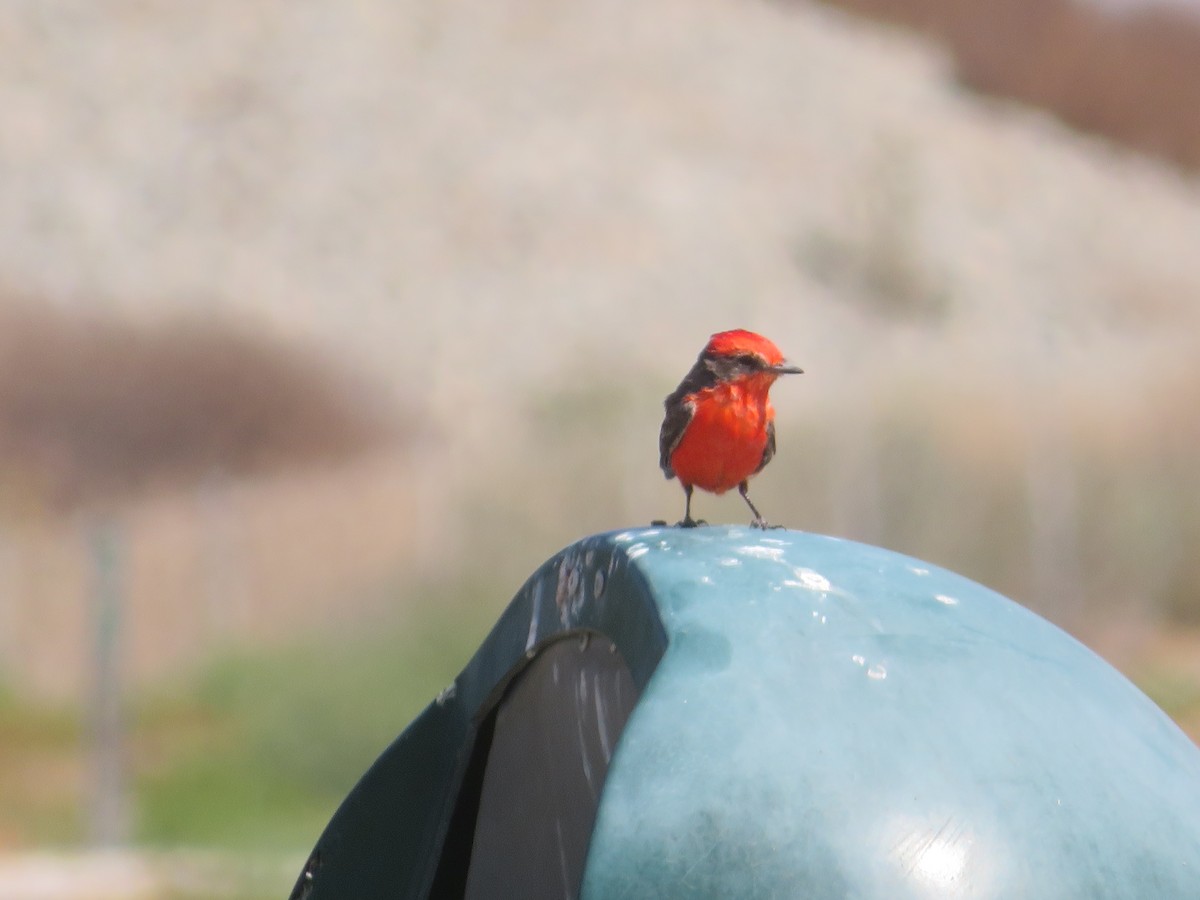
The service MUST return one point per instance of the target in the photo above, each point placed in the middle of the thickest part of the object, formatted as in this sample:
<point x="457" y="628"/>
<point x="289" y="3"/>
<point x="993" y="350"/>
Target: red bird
<point x="719" y="427"/>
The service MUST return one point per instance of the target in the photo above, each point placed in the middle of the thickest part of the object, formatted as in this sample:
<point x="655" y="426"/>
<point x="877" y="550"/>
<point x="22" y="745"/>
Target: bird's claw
<point x="764" y="525"/>
<point x="690" y="523"/>
<point x="658" y="523"/>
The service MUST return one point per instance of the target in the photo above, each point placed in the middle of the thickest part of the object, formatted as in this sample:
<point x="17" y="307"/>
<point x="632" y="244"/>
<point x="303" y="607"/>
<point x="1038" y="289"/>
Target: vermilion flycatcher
<point x="719" y="427"/>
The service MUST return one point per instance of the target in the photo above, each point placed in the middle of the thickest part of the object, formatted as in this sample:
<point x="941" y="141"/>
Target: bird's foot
<point x="658" y="523"/>
<point x="689" y="522"/>
<point x="762" y="523"/>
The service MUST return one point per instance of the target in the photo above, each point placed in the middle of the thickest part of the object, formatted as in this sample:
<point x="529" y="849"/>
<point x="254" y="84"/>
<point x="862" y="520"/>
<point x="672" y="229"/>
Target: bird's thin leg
<point x="688" y="521"/>
<point x="758" y="521"/>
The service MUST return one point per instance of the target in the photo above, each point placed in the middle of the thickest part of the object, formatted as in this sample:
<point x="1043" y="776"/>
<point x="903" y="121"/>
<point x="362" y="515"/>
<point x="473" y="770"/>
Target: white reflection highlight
<point x="936" y="856"/>
<point x="759" y="552"/>
<point x="941" y="863"/>
<point x="814" y="580"/>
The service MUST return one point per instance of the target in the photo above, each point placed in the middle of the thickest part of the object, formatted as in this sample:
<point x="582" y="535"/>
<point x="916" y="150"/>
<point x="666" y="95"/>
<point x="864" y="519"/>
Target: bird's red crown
<point x="731" y="343"/>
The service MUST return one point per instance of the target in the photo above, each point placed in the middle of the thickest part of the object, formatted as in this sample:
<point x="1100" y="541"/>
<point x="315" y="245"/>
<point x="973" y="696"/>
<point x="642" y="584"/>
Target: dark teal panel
<point x="405" y="831"/>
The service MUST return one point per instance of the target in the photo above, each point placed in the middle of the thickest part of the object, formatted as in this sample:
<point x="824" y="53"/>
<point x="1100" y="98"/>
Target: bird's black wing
<point x="675" y="422"/>
<point x="769" y="449"/>
<point x="679" y="411"/>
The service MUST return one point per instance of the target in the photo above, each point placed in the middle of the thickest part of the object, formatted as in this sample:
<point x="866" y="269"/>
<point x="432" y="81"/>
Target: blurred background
<point x="323" y="324"/>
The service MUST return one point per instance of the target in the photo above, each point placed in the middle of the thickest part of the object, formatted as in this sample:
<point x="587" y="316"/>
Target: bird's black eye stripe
<point x="730" y="366"/>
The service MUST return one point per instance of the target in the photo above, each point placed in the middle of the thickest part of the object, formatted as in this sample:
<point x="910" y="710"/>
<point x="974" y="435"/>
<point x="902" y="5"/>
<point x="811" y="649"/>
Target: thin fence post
<point x="109" y="819"/>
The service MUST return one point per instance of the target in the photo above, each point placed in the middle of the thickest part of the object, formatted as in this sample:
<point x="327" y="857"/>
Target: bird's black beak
<point x="784" y="369"/>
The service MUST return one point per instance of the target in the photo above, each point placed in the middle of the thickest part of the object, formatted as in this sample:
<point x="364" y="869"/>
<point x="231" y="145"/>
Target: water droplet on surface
<point x="877" y="672"/>
<point x="945" y="599"/>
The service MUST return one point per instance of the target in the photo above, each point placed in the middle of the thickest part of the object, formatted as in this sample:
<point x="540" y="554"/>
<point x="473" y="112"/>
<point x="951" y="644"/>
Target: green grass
<point x="259" y="751"/>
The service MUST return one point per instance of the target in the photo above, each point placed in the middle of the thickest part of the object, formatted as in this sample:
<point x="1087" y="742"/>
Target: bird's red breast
<point x="723" y="443"/>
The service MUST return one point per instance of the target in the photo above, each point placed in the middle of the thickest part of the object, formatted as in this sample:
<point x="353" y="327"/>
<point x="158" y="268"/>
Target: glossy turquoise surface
<point x="833" y="720"/>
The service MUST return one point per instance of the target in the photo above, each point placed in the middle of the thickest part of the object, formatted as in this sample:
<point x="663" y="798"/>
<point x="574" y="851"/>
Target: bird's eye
<point x="749" y="360"/>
